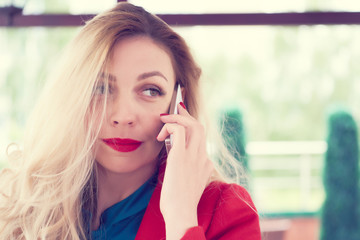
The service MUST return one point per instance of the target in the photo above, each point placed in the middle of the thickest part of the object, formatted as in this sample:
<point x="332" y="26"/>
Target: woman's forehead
<point x="140" y="55"/>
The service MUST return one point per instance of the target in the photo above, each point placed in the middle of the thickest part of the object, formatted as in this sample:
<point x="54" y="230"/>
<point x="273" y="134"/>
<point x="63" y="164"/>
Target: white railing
<point x="287" y="170"/>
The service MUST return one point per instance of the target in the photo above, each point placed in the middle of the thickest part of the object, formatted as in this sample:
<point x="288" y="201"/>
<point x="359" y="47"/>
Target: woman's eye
<point x="101" y="89"/>
<point x="152" y="92"/>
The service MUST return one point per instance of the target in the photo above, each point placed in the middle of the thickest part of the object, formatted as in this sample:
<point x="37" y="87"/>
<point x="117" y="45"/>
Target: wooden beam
<point x="45" y="20"/>
<point x="306" y="18"/>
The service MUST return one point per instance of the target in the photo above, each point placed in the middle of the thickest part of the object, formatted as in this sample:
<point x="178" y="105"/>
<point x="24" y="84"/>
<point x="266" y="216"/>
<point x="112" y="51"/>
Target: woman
<point x="94" y="165"/>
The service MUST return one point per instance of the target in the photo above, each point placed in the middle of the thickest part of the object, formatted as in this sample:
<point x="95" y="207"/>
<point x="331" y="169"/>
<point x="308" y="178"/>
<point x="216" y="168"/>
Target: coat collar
<point x="152" y="226"/>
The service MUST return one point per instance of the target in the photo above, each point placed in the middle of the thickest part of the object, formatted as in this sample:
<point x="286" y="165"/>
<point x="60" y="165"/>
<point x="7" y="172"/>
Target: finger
<point x="178" y="132"/>
<point x="178" y="135"/>
<point x="182" y="109"/>
<point x="188" y="123"/>
<point x="179" y="119"/>
<point x="195" y="133"/>
<point x="163" y="133"/>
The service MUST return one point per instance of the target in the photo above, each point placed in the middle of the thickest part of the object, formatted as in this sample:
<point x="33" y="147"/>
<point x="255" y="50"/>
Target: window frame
<point x="12" y="17"/>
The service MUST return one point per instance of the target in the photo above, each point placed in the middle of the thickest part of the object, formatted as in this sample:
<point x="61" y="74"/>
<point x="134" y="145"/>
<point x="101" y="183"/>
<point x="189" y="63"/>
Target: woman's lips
<point x="122" y="144"/>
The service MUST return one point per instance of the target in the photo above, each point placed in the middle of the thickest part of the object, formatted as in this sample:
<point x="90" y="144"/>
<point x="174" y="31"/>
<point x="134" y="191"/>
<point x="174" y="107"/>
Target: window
<point x="284" y="79"/>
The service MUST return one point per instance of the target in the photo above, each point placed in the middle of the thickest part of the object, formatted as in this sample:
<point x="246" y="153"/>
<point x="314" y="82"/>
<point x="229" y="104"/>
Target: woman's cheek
<point x="157" y="123"/>
<point x="154" y="122"/>
<point x="151" y="115"/>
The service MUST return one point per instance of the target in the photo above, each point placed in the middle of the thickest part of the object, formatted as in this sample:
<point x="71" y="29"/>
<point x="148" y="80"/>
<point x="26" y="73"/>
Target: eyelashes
<point x="149" y="91"/>
<point x="153" y="92"/>
<point x="101" y="89"/>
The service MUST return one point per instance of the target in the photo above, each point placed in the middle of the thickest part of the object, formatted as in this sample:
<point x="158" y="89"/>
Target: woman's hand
<point x="187" y="173"/>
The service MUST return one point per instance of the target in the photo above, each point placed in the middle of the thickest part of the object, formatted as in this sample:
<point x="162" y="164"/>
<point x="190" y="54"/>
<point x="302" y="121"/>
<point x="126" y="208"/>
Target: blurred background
<point x="283" y="74"/>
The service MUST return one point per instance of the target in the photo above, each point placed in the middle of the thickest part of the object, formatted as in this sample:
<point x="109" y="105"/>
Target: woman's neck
<point x="114" y="187"/>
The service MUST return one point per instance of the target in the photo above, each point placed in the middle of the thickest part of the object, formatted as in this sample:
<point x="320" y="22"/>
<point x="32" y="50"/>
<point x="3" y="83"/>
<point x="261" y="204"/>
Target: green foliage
<point x="276" y="74"/>
<point x="233" y="132"/>
<point x="26" y="57"/>
<point x="341" y="174"/>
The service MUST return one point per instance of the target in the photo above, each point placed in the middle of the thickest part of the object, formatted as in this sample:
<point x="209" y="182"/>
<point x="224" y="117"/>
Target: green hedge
<point x="341" y="174"/>
<point x="233" y="132"/>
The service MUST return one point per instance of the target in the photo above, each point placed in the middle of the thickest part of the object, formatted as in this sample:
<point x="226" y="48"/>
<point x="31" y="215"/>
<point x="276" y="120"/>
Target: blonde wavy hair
<point x="43" y="193"/>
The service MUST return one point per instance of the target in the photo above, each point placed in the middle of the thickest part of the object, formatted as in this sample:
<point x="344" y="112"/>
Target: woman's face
<point x="141" y="85"/>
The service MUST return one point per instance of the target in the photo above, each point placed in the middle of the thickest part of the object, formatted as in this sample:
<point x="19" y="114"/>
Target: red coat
<point x="225" y="212"/>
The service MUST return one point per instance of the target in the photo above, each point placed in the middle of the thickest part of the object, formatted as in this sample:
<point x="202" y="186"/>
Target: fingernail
<point x="163" y="114"/>
<point x="183" y="105"/>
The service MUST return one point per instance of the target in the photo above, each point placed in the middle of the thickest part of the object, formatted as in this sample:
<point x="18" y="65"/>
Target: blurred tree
<point x="233" y="133"/>
<point x="341" y="174"/>
<point x="26" y="57"/>
<point x="287" y="71"/>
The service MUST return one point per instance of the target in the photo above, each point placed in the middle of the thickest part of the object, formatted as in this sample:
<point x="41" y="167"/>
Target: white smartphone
<point x="176" y="99"/>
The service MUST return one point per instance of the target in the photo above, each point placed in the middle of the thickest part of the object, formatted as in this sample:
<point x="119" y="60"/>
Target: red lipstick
<point x="122" y="144"/>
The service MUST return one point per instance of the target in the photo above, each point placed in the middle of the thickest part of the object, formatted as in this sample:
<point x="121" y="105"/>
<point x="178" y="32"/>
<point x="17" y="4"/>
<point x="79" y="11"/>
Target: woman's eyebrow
<point x="140" y="77"/>
<point x="108" y="76"/>
<point x="151" y="74"/>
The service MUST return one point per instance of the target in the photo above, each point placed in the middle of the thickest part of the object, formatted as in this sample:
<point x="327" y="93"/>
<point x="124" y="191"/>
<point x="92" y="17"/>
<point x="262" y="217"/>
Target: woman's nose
<point x="122" y="112"/>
